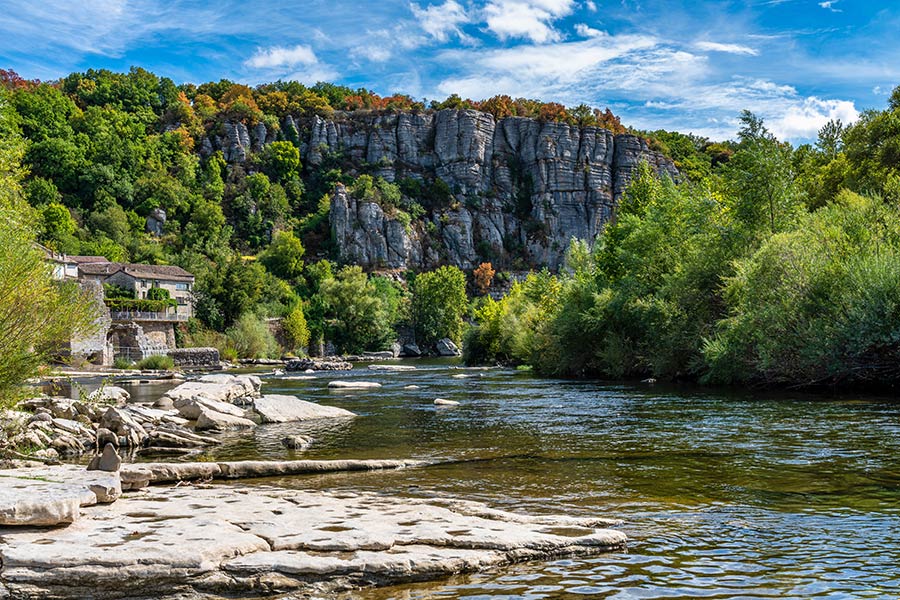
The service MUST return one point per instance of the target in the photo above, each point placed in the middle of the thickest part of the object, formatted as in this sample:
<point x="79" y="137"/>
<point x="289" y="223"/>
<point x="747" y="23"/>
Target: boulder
<point x="275" y="408"/>
<point x="210" y="419"/>
<point x="411" y="350"/>
<point x="110" y="394"/>
<point x="191" y="408"/>
<point x="445" y="402"/>
<point x="446" y="347"/>
<point x="219" y="387"/>
<point x="108" y="461"/>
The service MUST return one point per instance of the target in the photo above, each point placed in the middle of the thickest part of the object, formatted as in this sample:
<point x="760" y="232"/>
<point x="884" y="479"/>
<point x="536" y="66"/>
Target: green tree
<point x="439" y="303"/>
<point x="356" y="318"/>
<point x="37" y="314"/>
<point x="284" y="256"/>
<point x="296" y="330"/>
<point x="281" y="161"/>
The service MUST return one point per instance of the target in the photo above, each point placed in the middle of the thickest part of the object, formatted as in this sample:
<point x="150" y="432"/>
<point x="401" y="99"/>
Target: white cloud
<point x="727" y="48"/>
<point x="280" y="56"/>
<point x="829" y="5"/>
<point x="587" y="31"/>
<point x="591" y="5"/>
<point x="529" y="19"/>
<point x="441" y="20"/>
<point x="804" y="117"/>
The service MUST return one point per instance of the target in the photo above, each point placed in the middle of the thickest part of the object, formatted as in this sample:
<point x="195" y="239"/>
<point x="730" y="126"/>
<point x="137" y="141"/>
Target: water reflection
<point x="724" y="494"/>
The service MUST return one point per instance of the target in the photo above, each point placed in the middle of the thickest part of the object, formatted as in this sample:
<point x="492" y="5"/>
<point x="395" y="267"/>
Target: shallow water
<point x="724" y="494"/>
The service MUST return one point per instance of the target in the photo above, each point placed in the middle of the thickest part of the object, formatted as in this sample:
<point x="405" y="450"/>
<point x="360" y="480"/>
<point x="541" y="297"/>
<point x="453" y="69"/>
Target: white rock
<point x="391" y="368"/>
<point x="445" y="402"/>
<point x="192" y="407"/>
<point x="353" y="385"/>
<point x="210" y="419"/>
<point x="274" y="408"/>
<point x="110" y="393"/>
<point x="230" y="539"/>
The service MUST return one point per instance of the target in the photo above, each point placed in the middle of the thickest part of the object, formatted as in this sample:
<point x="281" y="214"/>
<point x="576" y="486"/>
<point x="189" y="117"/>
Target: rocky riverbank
<point x="178" y="423"/>
<point x="241" y="540"/>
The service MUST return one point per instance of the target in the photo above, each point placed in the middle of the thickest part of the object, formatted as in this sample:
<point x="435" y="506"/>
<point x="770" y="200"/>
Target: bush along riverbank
<point x="737" y="279"/>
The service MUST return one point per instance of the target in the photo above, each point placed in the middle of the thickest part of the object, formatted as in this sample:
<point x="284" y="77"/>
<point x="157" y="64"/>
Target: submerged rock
<point x="250" y="539"/>
<point x="312" y="364"/>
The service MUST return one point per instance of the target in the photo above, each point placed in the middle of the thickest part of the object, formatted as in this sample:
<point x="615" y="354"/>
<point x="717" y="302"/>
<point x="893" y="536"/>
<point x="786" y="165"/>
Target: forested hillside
<point x="706" y="277"/>
<point x="123" y="165"/>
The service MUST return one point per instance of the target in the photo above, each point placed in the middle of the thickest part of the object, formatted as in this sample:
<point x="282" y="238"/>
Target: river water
<point x="723" y="494"/>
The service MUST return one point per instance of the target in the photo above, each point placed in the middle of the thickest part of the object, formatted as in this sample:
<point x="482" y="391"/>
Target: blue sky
<point x="686" y="65"/>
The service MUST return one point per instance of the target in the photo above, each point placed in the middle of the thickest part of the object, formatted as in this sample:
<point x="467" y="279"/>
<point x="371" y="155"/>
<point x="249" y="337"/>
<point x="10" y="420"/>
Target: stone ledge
<point x="249" y="541"/>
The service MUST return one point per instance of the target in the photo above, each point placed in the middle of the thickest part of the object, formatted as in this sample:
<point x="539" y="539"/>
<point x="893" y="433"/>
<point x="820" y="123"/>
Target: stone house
<point x="140" y="279"/>
<point x="124" y="332"/>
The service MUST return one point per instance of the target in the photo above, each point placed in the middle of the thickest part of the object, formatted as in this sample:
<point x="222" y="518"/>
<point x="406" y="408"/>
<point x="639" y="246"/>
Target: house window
<point x="182" y="287"/>
<point x="143" y="283"/>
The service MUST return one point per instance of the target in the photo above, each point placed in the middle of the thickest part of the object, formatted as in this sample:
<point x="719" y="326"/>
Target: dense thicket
<point x="37" y="314"/>
<point x="776" y="265"/>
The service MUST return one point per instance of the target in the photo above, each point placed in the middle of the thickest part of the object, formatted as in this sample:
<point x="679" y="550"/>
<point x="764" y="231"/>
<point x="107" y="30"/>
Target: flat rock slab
<point x="276" y="408"/>
<point x="353" y="385"/>
<point x="44" y="496"/>
<point x="398" y="368"/>
<point x="139" y="475"/>
<point x="222" y="388"/>
<point x="260" y="540"/>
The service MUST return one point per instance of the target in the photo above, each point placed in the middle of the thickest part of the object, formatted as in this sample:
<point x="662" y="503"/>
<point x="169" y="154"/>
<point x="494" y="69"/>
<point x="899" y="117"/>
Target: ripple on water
<point x="724" y="495"/>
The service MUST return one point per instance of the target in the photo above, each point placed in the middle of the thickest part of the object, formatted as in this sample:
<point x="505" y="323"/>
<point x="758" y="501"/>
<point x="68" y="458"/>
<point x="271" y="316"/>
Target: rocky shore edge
<point x="66" y="532"/>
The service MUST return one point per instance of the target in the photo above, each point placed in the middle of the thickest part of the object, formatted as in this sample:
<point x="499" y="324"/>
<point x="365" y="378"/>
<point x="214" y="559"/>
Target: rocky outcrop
<point x="513" y="188"/>
<point x="520" y="188"/>
<point x="257" y="540"/>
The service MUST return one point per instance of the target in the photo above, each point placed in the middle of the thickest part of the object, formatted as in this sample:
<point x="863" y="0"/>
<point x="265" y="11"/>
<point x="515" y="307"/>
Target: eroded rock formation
<point x="514" y="189"/>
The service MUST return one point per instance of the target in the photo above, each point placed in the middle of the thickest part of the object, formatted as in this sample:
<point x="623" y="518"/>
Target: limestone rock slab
<point x="274" y="408"/>
<point x="242" y="540"/>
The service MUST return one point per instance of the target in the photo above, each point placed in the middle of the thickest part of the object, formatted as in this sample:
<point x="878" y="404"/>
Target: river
<point x="723" y="494"/>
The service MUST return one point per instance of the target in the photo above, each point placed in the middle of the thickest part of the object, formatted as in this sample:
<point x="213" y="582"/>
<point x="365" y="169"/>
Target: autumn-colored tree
<point x="500" y="106"/>
<point x="607" y="120"/>
<point x="554" y="112"/>
<point x="484" y="276"/>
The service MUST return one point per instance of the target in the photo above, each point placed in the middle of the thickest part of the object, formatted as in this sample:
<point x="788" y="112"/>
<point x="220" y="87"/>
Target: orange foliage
<point x="484" y="276"/>
<point x="11" y="80"/>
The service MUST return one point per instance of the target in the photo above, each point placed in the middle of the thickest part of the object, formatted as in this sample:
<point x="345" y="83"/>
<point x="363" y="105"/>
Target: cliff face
<point x="522" y="189"/>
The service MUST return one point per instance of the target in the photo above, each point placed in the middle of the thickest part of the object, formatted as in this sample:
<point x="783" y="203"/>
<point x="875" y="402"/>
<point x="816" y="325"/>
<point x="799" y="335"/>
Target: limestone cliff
<point x="521" y="189"/>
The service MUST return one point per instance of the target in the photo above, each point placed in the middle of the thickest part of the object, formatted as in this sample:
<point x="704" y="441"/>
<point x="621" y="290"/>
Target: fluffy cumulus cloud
<point x="803" y="118"/>
<point x="440" y="21"/>
<point x="287" y="62"/>
<point x="529" y="19"/>
<point x="280" y="56"/>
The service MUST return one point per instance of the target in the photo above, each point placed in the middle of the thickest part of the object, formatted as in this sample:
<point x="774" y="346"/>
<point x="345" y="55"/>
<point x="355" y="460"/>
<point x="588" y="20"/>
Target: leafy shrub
<point x="156" y="363"/>
<point x="250" y="338"/>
